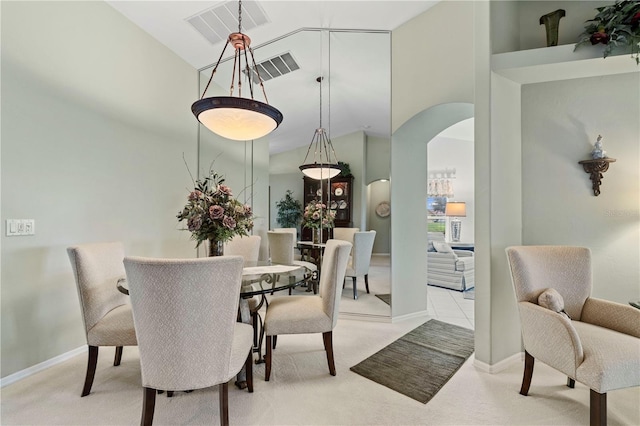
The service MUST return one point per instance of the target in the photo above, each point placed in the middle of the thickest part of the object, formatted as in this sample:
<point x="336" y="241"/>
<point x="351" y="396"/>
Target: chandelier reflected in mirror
<point x="236" y="117"/>
<point x="325" y="163"/>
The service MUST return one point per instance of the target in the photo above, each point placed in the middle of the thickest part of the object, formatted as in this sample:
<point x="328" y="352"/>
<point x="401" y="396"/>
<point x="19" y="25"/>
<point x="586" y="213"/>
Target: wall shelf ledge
<point x="560" y="63"/>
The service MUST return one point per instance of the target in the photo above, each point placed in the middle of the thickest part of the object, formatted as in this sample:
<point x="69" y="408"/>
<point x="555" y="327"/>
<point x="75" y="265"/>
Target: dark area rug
<point x="419" y="363"/>
<point x="386" y="298"/>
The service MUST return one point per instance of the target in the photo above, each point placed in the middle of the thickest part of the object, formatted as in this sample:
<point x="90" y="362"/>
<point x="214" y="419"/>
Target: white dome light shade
<point x="320" y="171"/>
<point x="235" y="118"/>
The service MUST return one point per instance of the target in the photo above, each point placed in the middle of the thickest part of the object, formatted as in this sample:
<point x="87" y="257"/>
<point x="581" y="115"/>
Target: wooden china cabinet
<point x="338" y="197"/>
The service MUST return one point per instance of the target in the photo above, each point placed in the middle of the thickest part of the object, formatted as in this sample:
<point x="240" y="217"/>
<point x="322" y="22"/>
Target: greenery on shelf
<point x="616" y="25"/>
<point x="289" y="211"/>
<point x="345" y="170"/>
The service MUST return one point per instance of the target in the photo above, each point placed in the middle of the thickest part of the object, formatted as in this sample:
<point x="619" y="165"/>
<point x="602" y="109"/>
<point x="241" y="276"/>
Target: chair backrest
<point x="97" y="268"/>
<point x="362" y="249"/>
<point x="344" y="234"/>
<point x="281" y="246"/>
<point x="564" y="268"/>
<point x="184" y="311"/>
<point x="334" y="266"/>
<point x="246" y="246"/>
<point x="294" y="231"/>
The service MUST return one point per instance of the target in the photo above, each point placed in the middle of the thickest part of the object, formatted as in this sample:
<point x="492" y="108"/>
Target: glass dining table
<point x="258" y="279"/>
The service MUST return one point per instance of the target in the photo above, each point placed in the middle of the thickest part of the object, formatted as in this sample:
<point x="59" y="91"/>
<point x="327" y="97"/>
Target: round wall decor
<point x="383" y="209"/>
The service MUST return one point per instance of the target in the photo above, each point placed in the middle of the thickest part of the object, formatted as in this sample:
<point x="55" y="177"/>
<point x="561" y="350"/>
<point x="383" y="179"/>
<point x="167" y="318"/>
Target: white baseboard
<point x="418" y="314"/>
<point x="12" y="378"/>
<point x="364" y="317"/>
<point x="498" y="367"/>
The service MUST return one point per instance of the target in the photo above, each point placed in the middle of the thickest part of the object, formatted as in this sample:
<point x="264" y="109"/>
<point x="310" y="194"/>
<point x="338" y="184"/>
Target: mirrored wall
<point x="355" y="108"/>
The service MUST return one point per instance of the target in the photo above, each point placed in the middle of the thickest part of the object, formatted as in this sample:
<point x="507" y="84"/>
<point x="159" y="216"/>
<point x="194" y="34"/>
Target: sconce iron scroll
<point x="596" y="168"/>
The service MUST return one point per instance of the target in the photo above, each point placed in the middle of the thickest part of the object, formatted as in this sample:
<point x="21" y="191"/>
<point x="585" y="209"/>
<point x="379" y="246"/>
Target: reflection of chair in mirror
<point x="344" y="234"/>
<point x="106" y="312"/>
<point x="249" y="248"/>
<point x="188" y="338"/>
<point x="593" y="341"/>
<point x="361" y="259"/>
<point x="294" y="231"/>
<point x="310" y="314"/>
<point x="281" y="247"/>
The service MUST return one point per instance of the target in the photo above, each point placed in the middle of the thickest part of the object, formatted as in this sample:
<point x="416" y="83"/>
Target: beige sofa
<point x="452" y="269"/>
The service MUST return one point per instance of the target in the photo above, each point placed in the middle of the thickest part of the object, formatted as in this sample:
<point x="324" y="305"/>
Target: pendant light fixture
<point x="322" y="166"/>
<point x="235" y="117"/>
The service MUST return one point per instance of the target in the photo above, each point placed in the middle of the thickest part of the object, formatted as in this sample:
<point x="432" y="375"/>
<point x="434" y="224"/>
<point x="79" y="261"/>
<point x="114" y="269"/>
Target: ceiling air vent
<point x="215" y="24"/>
<point x="275" y="67"/>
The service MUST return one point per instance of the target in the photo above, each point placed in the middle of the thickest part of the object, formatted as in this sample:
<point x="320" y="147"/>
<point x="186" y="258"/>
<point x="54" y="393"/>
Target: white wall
<point x="563" y="121"/>
<point x="431" y="90"/>
<point x="95" y="122"/>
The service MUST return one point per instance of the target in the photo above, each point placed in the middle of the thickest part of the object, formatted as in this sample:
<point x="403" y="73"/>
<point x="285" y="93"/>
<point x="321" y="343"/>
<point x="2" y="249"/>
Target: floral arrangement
<point x="316" y="216"/>
<point x="615" y="25"/>
<point x="213" y="214"/>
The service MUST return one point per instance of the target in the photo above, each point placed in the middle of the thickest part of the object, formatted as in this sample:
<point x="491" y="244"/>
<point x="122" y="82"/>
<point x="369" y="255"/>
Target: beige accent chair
<point x="596" y="343"/>
<point x="361" y="259"/>
<point x="281" y="251"/>
<point x="106" y="312"/>
<point x="310" y="314"/>
<point x="185" y="313"/>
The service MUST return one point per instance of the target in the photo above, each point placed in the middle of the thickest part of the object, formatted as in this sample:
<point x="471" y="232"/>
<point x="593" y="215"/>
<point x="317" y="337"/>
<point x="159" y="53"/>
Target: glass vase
<point x="317" y="236"/>
<point x="216" y="247"/>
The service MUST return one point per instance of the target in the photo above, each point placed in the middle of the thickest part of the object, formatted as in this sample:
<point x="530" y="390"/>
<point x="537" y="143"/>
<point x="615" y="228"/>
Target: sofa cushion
<point x="442" y="247"/>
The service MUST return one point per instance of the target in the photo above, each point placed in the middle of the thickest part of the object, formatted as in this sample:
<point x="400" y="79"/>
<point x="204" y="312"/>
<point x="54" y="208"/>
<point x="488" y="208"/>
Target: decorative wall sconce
<point x="596" y="168"/>
<point x="597" y="165"/>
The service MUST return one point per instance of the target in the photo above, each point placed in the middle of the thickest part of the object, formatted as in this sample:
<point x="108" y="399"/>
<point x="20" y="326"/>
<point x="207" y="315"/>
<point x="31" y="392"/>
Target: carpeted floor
<point x="386" y="298"/>
<point x="420" y="362"/>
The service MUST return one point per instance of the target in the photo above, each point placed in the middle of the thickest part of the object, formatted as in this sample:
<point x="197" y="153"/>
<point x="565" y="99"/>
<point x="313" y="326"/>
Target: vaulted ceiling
<point x="355" y="63"/>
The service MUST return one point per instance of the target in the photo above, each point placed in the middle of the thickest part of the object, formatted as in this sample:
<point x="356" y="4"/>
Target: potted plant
<point x="616" y="25"/>
<point x="289" y="211"/>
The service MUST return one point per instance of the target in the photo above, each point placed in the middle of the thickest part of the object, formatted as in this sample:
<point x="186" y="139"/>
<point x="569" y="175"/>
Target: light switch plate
<point x="17" y="227"/>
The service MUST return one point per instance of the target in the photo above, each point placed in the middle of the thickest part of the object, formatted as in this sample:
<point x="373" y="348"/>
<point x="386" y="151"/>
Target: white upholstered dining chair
<point x="361" y="259"/>
<point x="310" y="314"/>
<point x="593" y="341"/>
<point x="106" y="313"/>
<point x="249" y="248"/>
<point x="185" y="313"/>
<point x="281" y="251"/>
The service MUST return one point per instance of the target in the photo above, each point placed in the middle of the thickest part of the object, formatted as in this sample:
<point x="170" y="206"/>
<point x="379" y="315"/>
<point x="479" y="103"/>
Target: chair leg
<point x="528" y="373"/>
<point x="275" y="340"/>
<point x="267" y="359"/>
<point x="571" y="383"/>
<point x="91" y="370"/>
<point x="327" y="338"/>
<point x="249" y="371"/>
<point x="355" y="290"/>
<point x="148" y="406"/>
<point x="223" y="390"/>
<point x="118" y="356"/>
<point x="598" y="410"/>
<point x="366" y="281"/>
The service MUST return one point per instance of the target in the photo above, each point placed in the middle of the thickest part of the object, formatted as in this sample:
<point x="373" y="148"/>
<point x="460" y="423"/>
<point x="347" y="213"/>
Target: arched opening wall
<point x="408" y="195"/>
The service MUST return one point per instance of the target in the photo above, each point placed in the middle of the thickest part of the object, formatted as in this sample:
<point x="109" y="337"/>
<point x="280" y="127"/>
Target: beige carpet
<point x="301" y="392"/>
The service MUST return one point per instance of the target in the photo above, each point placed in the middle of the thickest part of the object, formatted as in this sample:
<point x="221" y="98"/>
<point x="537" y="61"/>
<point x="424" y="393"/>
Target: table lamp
<point x="455" y="209"/>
